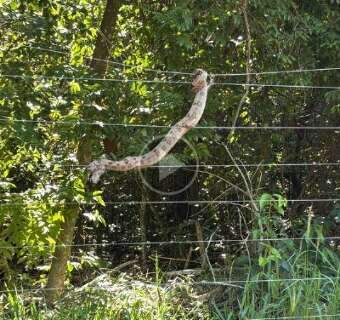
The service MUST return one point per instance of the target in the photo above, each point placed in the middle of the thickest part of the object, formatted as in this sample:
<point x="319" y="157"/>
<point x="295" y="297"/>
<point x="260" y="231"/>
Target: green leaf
<point x="265" y="200"/>
<point x="69" y="267"/>
<point x="263" y="261"/>
<point x="274" y="254"/>
<point x="74" y="87"/>
<point x="99" y="200"/>
<point x="50" y="240"/>
<point x="79" y="185"/>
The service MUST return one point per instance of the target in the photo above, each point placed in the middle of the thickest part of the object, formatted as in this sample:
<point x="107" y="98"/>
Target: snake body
<point x="190" y="120"/>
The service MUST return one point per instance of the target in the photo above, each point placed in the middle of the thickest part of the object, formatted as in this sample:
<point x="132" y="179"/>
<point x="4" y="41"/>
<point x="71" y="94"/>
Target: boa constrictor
<point x="190" y="120"/>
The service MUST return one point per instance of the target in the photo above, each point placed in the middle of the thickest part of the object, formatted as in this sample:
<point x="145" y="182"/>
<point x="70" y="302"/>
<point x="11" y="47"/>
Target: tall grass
<point x="315" y="292"/>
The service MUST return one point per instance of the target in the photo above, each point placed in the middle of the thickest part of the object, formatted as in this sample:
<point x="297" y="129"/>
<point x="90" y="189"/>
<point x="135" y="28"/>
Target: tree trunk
<point x="104" y="39"/>
<point x="57" y="274"/>
<point x="56" y="277"/>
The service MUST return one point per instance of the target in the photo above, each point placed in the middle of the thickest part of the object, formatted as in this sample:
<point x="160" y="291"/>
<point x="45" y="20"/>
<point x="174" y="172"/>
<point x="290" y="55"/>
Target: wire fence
<point x="190" y="73"/>
<point x="226" y="283"/>
<point x="175" y="242"/>
<point x="200" y="283"/>
<point x="49" y="165"/>
<point x="113" y="62"/>
<point x="316" y="316"/>
<point x="210" y="166"/>
<point x="129" y="125"/>
<point x="56" y="165"/>
<point x="37" y="77"/>
<point x="189" y="202"/>
<point x="269" y="166"/>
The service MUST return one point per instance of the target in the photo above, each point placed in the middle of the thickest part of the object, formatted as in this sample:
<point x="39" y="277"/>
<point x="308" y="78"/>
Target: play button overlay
<point x="160" y="177"/>
<point x="169" y="165"/>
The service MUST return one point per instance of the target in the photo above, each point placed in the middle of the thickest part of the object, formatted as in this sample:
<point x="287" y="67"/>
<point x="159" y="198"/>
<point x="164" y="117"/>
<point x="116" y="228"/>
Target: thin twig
<point x="248" y="69"/>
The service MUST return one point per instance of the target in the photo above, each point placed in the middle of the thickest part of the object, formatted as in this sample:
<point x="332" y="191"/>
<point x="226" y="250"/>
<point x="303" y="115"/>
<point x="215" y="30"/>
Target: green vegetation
<point x="73" y="250"/>
<point x="186" y="298"/>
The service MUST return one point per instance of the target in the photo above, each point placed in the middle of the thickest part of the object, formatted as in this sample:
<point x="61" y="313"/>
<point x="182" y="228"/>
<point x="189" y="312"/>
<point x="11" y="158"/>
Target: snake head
<point x="200" y="79"/>
<point x="96" y="170"/>
<point x="198" y="72"/>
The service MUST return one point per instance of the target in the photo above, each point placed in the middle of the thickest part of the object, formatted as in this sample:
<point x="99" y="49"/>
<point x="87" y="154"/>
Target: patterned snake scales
<point x="200" y="87"/>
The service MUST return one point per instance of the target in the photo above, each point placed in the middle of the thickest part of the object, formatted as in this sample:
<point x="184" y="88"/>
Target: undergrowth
<point x="286" y="279"/>
<point x="273" y="289"/>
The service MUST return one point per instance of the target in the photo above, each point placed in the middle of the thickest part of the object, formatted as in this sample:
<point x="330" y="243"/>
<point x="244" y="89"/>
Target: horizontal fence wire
<point x="226" y="283"/>
<point x="40" y="76"/>
<point x="324" y="316"/>
<point x="315" y="316"/>
<point x="189" y="202"/>
<point x="210" y="166"/>
<point x="199" y="283"/>
<point x="174" y="242"/>
<point x="37" y="77"/>
<point x="128" y="125"/>
<point x="269" y="166"/>
<point x="113" y="62"/>
<point x="276" y="72"/>
<point x="232" y="283"/>
<point x="190" y="73"/>
<point x="297" y="86"/>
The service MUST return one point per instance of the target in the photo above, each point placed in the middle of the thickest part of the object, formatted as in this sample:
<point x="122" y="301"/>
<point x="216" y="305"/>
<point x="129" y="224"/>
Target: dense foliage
<point x="53" y="105"/>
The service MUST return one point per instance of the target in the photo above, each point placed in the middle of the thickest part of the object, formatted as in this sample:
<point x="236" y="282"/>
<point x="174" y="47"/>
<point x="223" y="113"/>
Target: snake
<point x="200" y="87"/>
